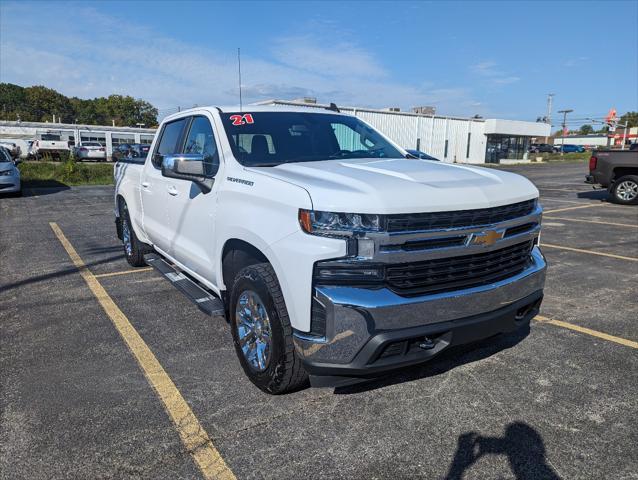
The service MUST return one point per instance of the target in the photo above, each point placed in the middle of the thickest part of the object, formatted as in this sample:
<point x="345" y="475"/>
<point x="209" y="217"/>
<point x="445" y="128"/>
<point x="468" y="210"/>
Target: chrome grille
<point x="458" y="219"/>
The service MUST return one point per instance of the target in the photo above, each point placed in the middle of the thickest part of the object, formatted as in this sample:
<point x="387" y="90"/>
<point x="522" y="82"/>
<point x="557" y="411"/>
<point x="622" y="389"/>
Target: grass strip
<point x="69" y="173"/>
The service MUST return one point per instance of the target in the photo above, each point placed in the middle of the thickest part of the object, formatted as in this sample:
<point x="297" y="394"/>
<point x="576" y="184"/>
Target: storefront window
<point x="504" y="146"/>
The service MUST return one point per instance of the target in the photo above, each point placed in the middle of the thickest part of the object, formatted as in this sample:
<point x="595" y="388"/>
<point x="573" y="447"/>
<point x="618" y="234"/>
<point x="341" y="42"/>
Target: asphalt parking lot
<point x="557" y="401"/>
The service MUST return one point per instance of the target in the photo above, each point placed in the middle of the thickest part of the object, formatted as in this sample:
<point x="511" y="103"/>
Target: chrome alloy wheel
<point x="126" y="237"/>
<point x="253" y="329"/>
<point x="627" y="190"/>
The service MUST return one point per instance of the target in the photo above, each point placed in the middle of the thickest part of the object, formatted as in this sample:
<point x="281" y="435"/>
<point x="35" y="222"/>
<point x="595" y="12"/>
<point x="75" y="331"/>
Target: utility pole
<point x="624" y="135"/>
<point x="548" y="118"/>
<point x="562" y="145"/>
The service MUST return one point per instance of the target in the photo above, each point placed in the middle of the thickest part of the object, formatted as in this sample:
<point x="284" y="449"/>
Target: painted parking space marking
<point x="589" y="205"/>
<point x="123" y="272"/>
<point x="588" y="331"/>
<point x="545" y="198"/>
<point x="572" y="190"/>
<point x="590" y="221"/>
<point x="590" y="252"/>
<point x="193" y="436"/>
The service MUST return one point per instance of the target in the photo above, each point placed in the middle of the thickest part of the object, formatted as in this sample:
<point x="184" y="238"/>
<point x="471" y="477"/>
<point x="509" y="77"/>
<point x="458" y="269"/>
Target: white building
<point x="23" y="132"/>
<point x="450" y="139"/>
<point x="585" y="140"/>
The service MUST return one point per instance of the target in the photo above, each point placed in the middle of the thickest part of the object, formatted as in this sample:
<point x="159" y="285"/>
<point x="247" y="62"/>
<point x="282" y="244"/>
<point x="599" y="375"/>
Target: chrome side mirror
<point x="190" y="167"/>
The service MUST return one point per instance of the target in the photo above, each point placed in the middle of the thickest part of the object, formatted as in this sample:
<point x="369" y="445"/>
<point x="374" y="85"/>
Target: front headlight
<point x="335" y="224"/>
<point x="6" y="172"/>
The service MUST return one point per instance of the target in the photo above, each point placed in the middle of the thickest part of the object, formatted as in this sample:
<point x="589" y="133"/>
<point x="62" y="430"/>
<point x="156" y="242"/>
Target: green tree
<point x="586" y="129"/>
<point x="127" y="111"/>
<point x="40" y="104"/>
<point x="43" y="103"/>
<point x="13" y="102"/>
<point x="631" y="118"/>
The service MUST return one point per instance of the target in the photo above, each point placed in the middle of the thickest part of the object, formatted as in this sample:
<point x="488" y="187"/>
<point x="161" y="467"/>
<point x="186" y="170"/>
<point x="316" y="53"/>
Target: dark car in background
<point x="130" y="151"/>
<point x="421" y="155"/>
<point x="542" y="148"/>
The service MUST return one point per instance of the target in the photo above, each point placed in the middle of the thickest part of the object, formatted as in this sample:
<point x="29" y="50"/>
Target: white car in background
<point x="9" y="174"/>
<point x="90" y="151"/>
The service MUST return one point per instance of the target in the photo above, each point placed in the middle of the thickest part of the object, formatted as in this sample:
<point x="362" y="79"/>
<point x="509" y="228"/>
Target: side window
<point x="168" y="143"/>
<point x="201" y="140"/>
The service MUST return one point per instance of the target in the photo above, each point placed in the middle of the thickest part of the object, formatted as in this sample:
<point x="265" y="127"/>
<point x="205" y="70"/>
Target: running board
<point x="205" y="301"/>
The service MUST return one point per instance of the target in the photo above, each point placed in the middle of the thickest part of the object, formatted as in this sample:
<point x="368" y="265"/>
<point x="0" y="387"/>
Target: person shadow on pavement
<point x="522" y="445"/>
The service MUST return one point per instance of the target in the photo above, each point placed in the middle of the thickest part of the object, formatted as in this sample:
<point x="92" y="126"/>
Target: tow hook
<point x="426" y="343"/>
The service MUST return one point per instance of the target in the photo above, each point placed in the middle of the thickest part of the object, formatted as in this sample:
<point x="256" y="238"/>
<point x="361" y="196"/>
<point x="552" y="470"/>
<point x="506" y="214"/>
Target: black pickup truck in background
<point x="617" y="171"/>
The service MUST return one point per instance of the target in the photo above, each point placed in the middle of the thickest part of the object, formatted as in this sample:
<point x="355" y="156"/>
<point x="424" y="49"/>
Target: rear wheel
<point x="625" y="190"/>
<point x="133" y="248"/>
<point x="261" y="331"/>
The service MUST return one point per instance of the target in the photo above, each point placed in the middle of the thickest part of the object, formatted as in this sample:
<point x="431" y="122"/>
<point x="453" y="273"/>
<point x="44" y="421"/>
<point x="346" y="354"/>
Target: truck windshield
<point x="264" y="139"/>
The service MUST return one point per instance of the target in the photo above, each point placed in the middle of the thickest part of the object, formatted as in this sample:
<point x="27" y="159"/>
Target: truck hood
<point x="399" y="185"/>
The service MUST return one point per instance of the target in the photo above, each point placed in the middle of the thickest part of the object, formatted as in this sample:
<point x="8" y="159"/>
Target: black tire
<point x="134" y="250"/>
<point x="620" y="193"/>
<point x="284" y="372"/>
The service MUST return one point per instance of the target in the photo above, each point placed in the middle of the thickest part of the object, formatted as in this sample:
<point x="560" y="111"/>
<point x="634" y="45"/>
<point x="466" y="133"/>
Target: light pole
<point x="562" y="145"/>
<point x="548" y="118"/>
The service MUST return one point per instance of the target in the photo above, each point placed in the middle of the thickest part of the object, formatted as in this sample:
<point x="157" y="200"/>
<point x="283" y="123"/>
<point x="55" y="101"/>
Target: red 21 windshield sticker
<point x="242" y="119"/>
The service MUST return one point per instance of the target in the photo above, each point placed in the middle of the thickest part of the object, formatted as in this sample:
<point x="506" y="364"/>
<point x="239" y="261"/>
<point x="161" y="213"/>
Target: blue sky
<point x="496" y="59"/>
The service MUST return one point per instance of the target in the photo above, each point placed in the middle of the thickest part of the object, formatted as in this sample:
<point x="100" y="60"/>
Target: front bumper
<point x="362" y="324"/>
<point x="9" y="184"/>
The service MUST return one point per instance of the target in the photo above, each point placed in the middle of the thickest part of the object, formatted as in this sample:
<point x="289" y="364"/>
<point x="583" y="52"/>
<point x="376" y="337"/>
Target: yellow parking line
<point x="580" y="250"/>
<point x="589" y="205"/>
<point x="591" y="221"/>
<point x="588" y="331"/>
<point x="193" y="435"/>
<point x="124" y="272"/>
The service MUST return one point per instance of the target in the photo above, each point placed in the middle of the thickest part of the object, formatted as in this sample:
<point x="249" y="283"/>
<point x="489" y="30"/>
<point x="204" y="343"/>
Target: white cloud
<point x="341" y="59"/>
<point x="493" y="74"/>
<point x="90" y="54"/>
<point x="576" y="61"/>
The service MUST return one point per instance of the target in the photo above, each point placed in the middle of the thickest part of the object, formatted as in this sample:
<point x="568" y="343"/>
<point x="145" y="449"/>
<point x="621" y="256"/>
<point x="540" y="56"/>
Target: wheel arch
<point x="619" y="172"/>
<point x="237" y="254"/>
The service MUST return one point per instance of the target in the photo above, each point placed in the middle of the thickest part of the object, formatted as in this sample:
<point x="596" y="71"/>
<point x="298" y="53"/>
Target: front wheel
<point x="625" y="190"/>
<point x="261" y="331"/>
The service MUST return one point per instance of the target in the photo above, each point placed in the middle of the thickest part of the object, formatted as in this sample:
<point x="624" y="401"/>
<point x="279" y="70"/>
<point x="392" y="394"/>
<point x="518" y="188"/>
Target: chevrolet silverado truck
<point x="334" y="255"/>
<point x="617" y="171"/>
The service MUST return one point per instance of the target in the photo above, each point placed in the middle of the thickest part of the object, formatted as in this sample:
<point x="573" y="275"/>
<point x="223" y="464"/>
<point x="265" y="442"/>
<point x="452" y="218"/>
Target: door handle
<point x="172" y="191"/>
<point x="146" y="184"/>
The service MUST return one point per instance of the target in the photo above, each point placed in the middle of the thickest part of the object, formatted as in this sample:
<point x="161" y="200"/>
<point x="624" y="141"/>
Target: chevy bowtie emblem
<point x="486" y="238"/>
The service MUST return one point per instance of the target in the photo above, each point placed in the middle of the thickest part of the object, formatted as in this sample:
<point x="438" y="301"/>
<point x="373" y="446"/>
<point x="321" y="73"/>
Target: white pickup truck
<point x="333" y="254"/>
<point x="49" y="144"/>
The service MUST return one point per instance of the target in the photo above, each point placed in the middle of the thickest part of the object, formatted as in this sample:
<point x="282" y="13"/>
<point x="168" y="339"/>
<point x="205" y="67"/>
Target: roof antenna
<point x="333" y="107"/>
<point x="239" y="69"/>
